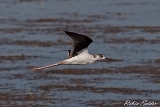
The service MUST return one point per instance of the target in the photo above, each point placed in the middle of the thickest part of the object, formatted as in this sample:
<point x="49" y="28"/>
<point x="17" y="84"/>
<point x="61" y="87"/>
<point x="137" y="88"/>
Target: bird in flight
<point x="78" y="54"/>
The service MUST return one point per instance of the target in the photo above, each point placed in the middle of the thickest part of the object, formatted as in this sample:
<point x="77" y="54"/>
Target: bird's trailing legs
<point x="43" y="67"/>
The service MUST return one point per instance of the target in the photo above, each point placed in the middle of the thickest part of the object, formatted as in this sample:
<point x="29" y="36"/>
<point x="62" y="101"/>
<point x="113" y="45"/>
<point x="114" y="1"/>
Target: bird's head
<point x="102" y="57"/>
<point x="99" y="56"/>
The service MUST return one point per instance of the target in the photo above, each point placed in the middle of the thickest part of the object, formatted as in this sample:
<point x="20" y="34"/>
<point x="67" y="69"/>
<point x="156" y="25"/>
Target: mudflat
<point x="31" y="29"/>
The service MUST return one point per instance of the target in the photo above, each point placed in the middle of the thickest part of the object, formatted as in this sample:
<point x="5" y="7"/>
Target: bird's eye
<point x="100" y="55"/>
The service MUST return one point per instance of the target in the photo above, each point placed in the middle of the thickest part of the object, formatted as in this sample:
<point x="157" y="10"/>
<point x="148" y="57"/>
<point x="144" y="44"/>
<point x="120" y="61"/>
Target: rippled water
<point x="31" y="29"/>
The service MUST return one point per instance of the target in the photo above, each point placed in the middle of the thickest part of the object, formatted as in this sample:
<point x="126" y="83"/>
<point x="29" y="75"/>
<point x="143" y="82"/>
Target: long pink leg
<point x="43" y="67"/>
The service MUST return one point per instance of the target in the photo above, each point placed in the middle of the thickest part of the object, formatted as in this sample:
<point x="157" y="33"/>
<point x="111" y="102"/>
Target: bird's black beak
<point x="109" y="59"/>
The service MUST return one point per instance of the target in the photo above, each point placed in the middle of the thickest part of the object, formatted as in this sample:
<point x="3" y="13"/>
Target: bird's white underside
<point x="83" y="58"/>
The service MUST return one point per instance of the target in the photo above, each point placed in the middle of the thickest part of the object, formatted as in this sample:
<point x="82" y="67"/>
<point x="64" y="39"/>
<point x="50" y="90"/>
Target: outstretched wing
<point x="80" y="42"/>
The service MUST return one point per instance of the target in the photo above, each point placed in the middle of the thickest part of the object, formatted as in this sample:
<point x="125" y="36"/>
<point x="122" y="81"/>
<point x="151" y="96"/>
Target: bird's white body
<point x="82" y="58"/>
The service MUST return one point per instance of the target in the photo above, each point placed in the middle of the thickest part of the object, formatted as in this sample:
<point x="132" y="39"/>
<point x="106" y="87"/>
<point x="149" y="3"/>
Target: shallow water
<point x="31" y="29"/>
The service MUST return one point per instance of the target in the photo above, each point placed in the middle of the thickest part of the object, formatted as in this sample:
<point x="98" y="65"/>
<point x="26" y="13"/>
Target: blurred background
<point x="122" y="29"/>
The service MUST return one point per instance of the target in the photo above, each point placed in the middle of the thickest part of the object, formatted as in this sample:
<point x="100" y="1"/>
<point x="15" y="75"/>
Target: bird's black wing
<point x="80" y="42"/>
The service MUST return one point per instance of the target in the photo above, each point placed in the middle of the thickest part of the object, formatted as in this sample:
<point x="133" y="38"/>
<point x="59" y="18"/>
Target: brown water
<point x="31" y="29"/>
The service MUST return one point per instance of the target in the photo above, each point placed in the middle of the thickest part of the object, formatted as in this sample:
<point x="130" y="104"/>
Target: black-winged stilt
<point x="78" y="54"/>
